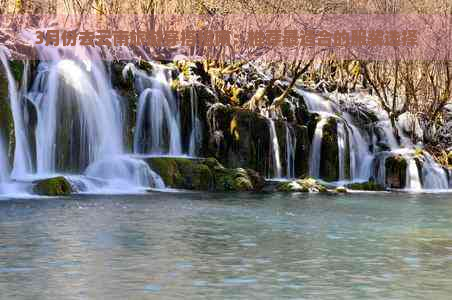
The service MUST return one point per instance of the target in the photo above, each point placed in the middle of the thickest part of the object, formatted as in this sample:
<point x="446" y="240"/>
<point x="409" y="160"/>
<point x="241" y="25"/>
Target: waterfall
<point x="360" y="157"/>
<point x="291" y="143"/>
<point x="433" y="176"/>
<point x="155" y="112"/>
<point x="380" y="176"/>
<point x="413" y="181"/>
<point x="317" y="103"/>
<point x="341" y="142"/>
<point x="22" y="158"/>
<point x="196" y="128"/>
<point x="360" y="162"/>
<point x="80" y="123"/>
<point x="79" y="116"/>
<point x="155" y="134"/>
<point x="274" y="144"/>
<point x="316" y="147"/>
<point x="123" y="171"/>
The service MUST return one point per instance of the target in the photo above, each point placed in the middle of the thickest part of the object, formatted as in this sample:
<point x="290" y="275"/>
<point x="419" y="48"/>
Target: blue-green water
<point x="215" y="246"/>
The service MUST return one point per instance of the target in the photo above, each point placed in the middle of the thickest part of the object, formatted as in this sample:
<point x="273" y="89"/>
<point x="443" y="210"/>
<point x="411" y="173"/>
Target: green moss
<point x="57" y="186"/>
<point x="366" y="186"/>
<point x="224" y="180"/>
<point x="167" y="169"/>
<point x="204" y="175"/>
<point x="194" y="174"/>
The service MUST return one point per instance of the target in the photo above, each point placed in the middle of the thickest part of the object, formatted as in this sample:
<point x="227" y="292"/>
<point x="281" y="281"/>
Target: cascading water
<point x="152" y="131"/>
<point x="155" y="122"/>
<point x="341" y="143"/>
<point x="347" y="134"/>
<point x="274" y="144"/>
<point x="316" y="147"/>
<point x="413" y="181"/>
<point x="22" y="158"/>
<point x="80" y="127"/>
<point x="79" y="117"/>
<point x="122" y="171"/>
<point x="360" y="157"/>
<point x="291" y="142"/>
<point x="433" y="176"/>
<point x="196" y="128"/>
<point x="80" y="123"/>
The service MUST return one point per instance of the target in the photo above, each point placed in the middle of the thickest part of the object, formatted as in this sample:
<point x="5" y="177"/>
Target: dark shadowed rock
<point x="396" y="171"/>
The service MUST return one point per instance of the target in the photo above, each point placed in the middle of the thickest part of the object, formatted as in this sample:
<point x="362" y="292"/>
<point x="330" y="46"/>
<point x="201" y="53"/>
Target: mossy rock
<point x="194" y="174"/>
<point x="365" y="186"/>
<point x="449" y="158"/>
<point x="396" y="167"/>
<point x="329" y="164"/>
<point x="168" y="169"/>
<point x="204" y="175"/>
<point x="306" y="185"/>
<point x="233" y="180"/>
<point x="56" y="186"/>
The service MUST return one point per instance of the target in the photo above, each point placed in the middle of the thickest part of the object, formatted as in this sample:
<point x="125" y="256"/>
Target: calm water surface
<point x="215" y="246"/>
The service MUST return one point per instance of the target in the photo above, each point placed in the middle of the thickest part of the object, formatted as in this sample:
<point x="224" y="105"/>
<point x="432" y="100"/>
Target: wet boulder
<point x="55" y="186"/>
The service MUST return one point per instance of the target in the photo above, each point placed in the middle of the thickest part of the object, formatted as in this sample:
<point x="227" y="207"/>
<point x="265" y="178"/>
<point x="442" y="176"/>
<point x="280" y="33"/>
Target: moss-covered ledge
<point x="204" y="174"/>
<point x="55" y="186"/>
